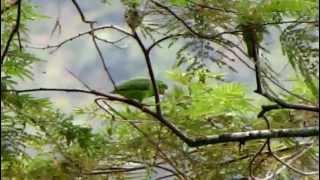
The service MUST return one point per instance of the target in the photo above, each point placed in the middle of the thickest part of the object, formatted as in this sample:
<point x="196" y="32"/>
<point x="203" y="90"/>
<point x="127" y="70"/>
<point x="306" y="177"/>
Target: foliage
<point x="13" y="106"/>
<point x="300" y="45"/>
<point x="31" y="124"/>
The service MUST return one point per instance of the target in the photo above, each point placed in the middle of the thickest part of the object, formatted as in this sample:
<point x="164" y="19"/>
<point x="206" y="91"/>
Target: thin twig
<point x="251" y="173"/>
<point x="91" y="23"/>
<point x="161" y="40"/>
<point x="280" y="104"/>
<point x="262" y="147"/>
<point x="114" y="170"/>
<point x="19" y="40"/>
<point x="81" y="13"/>
<point x="291" y="22"/>
<point x="13" y="32"/>
<point x="110" y="42"/>
<point x="78" y="79"/>
<point x="96" y="100"/>
<point x="102" y="59"/>
<point x="164" y="177"/>
<point x="57" y="46"/>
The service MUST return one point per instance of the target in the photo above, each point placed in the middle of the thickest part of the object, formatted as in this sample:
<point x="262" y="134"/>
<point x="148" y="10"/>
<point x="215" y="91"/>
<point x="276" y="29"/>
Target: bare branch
<point x="161" y="40"/>
<point x="57" y="46"/>
<point x="256" y="134"/>
<point x="114" y="43"/>
<point x="165" y="177"/>
<point x="103" y="60"/>
<point x="151" y="73"/>
<point x="19" y="40"/>
<point x="254" y="158"/>
<point x="292" y="22"/>
<point x="95" y="43"/>
<point x="78" y="79"/>
<point x="114" y="170"/>
<point x="81" y="13"/>
<point x="280" y="104"/>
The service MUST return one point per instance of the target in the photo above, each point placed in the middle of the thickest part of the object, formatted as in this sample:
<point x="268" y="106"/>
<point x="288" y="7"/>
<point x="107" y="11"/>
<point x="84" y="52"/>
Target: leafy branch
<point x="194" y="142"/>
<point x="14" y="31"/>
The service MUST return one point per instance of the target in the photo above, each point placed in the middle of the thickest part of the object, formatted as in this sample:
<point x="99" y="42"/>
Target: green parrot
<point x="252" y="35"/>
<point x="133" y="16"/>
<point x="139" y="88"/>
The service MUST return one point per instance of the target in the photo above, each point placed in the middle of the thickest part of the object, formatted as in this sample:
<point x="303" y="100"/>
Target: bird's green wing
<point x="138" y="88"/>
<point x="134" y="89"/>
<point x="134" y="84"/>
<point x="138" y="95"/>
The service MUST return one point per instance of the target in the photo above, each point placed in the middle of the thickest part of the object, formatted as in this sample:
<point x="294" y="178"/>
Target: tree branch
<point x="57" y="46"/>
<point x="81" y="13"/>
<point x="148" y="138"/>
<point x="280" y="104"/>
<point x="102" y="59"/>
<point x="13" y="32"/>
<point x="204" y="36"/>
<point x="131" y="102"/>
<point x="151" y="73"/>
<point x="288" y="164"/>
<point x="91" y="23"/>
<point x="114" y="170"/>
<point x="256" y="134"/>
<point x="161" y="40"/>
<point x="194" y="142"/>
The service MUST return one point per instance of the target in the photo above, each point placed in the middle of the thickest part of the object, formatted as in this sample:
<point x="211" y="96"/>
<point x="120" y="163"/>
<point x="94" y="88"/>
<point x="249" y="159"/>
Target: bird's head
<point x="162" y="87"/>
<point x="133" y="15"/>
